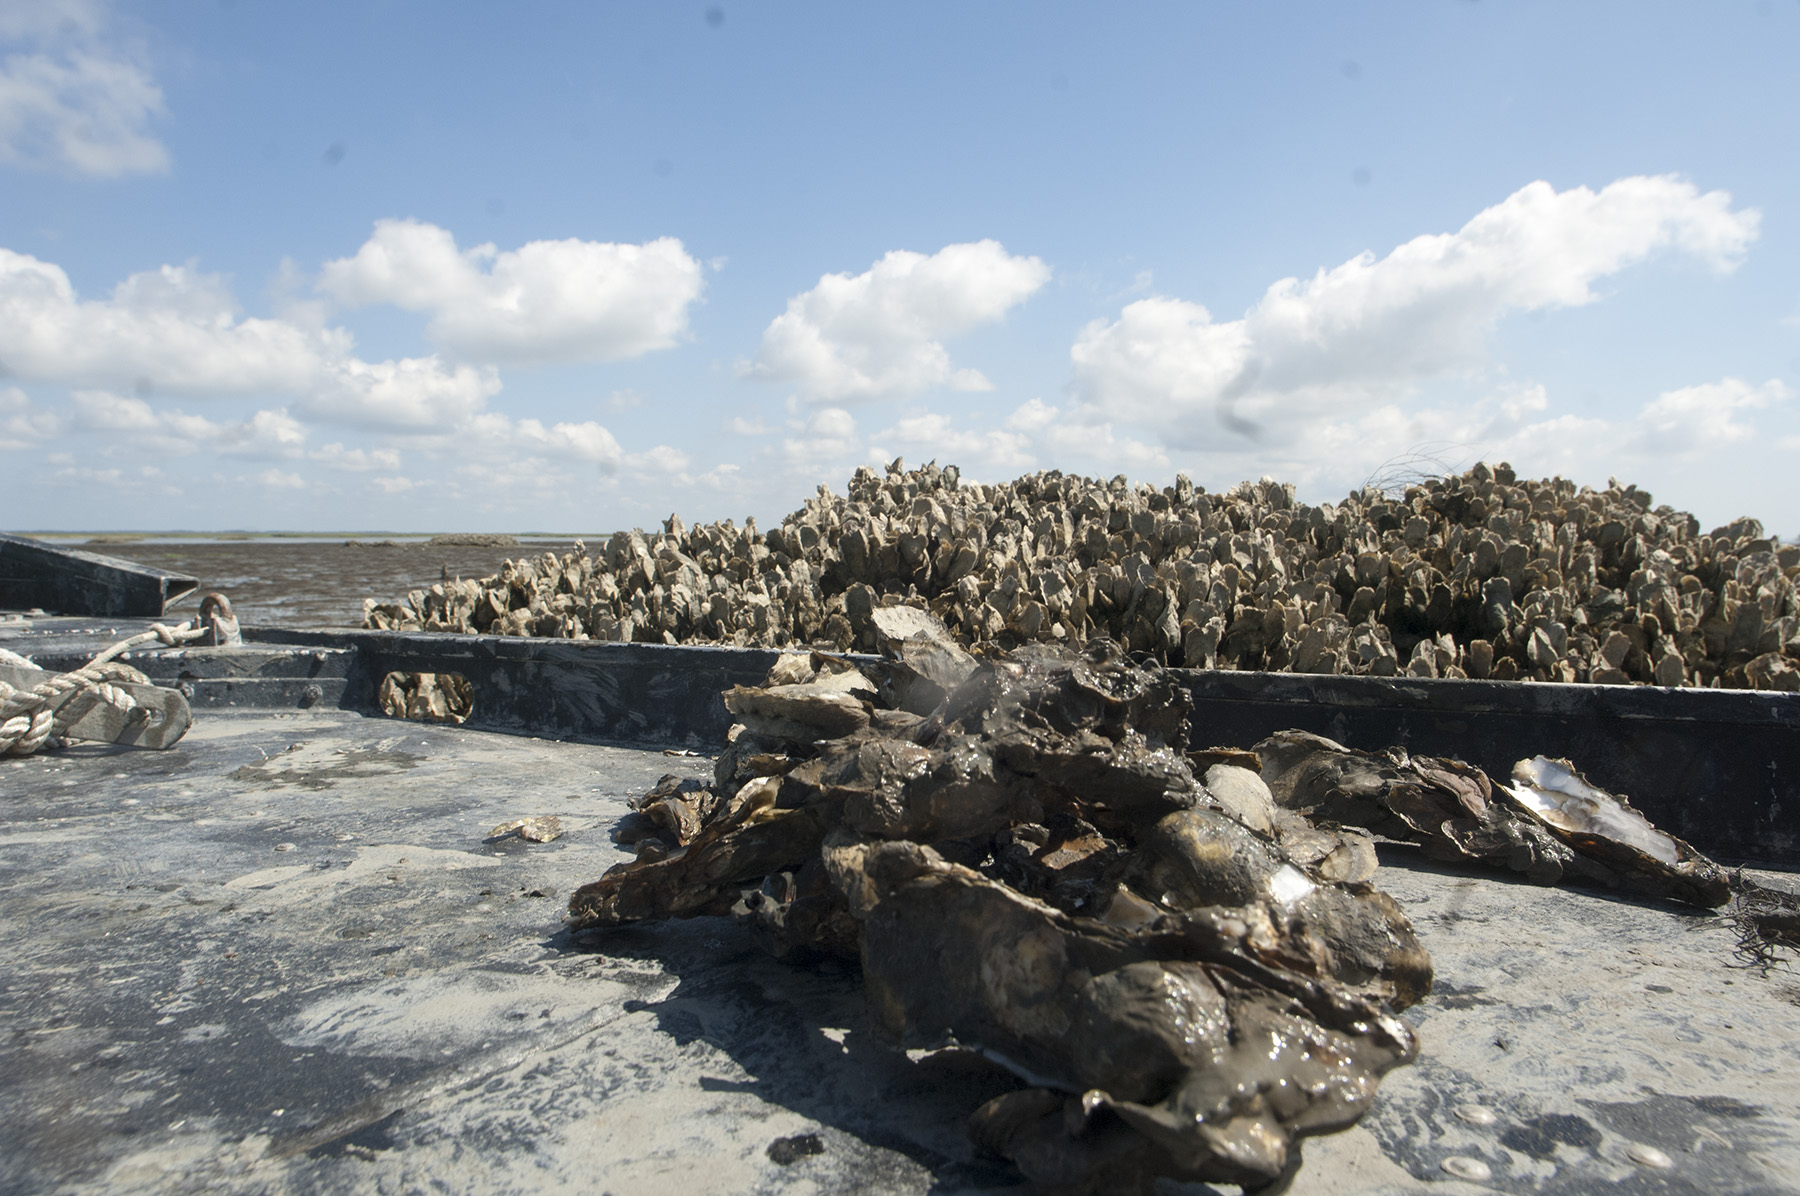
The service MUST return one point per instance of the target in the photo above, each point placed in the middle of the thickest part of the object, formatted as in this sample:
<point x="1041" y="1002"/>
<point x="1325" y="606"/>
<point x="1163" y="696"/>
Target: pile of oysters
<point x="426" y="697"/>
<point x="1179" y="953"/>
<point x="1479" y="575"/>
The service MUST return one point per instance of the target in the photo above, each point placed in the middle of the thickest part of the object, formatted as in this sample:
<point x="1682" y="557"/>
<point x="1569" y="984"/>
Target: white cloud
<point x="100" y="411"/>
<point x="1367" y="331"/>
<point x="265" y="434"/>
<point x="828" y="435"/>
<point x="879" y="334"/>
<point x="1033" y="415"/>
<point x="414" y="393"/>
<point x="721" y="477"/>
<point x="336" y="456"/>
<point x="523" y="469"/>
<point x="546" y="301"/>
<point x="1699" y="419"/>
<point x="662" y="462"/>
<point x="1073" y="435"/>
<point x="1520" y="426"/>
<point x="930" y="434"/>
<point x="1390" y="442"/>
<point x="91" y="476"/>
<point x="1142" y="283"/>
<point x="586" y="441"/>
<point x="23" y="426"/>
<point x="527" y="452"/>
<point x="173" y="326"/>
<point x="131" y="423"/>
<point x="1097" y="442"/>
<point x="144" y="480"/>
<point x="509" y="482"/>
<point x="526" y="476"/>
<point x="74" y="98"/>
<point x="47" y="18"/>
<point x="177" y="331"/>
<point x="278" y="479"/>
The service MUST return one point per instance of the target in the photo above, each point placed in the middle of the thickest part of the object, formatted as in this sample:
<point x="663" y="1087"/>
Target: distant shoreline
<point x="101" y="539"/>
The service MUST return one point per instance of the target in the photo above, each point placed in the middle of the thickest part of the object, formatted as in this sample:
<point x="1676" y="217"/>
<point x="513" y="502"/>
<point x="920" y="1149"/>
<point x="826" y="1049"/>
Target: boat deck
<point x="283" y="956"/>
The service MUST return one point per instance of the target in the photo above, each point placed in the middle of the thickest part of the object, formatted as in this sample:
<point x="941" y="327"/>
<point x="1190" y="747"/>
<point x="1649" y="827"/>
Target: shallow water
<point x="284" y="583"/>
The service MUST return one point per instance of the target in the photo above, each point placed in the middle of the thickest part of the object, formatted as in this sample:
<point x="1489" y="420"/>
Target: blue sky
<point x="576" y="266"/>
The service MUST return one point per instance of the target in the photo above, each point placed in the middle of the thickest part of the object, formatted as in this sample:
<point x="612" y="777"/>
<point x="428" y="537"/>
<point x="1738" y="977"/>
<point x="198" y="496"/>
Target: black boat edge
<point x="39" y="576"/>
<point x="1719" y="768"/>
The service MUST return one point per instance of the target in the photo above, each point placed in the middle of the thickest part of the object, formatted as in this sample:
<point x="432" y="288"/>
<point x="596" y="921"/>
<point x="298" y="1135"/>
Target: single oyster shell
<point x="541" y="829"/>
<point x="1603" y="826"/>
<point x="816" y="710"/>
<point x="1443" y="805"/>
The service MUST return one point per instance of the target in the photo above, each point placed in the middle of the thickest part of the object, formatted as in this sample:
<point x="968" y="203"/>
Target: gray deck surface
<point x="281" y="958"/>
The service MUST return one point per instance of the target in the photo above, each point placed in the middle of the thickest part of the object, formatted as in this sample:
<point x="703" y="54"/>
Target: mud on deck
<point x="282" y="957"/>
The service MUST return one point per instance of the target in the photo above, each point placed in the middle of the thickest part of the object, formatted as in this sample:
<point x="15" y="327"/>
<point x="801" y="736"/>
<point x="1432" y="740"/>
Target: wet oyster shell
<point x="1172" y="1051"/>
<point x="752" y="838"/>
<point x="1445" y="806"/>
<point x="1603" y="826"/>
<point x="815" y="710"/>
<point x="1191" y="977"/>
<point x="1550" y="824"/>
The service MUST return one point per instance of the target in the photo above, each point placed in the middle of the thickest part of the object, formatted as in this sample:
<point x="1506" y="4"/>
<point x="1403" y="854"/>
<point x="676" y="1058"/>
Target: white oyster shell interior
<point x="1560" y="796"/>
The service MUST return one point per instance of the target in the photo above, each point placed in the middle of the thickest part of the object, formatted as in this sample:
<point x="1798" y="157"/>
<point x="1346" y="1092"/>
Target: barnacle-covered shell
<point x="1482" y="575"/>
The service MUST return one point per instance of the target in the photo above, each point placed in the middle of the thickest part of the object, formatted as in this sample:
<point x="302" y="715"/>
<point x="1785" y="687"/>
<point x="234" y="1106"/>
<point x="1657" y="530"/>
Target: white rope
<point x="32" y="718"/>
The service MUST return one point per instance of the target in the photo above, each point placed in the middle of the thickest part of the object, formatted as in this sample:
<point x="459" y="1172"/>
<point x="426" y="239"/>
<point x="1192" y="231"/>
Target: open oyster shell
<point x="1551" y="824"/>
<point x="1604" y="827"/>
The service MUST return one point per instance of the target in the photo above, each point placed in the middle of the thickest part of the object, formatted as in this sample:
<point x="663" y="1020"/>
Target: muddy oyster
<point x="1170" y="1050"/>
<point x="1550" y="824"/>
<point x="1446" y="806"/>
<point x="1188" y="981"/>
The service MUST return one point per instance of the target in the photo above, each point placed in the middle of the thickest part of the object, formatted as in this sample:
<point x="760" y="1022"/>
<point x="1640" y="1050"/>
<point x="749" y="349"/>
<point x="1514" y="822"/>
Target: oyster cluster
<point x="1025" y="863"/>
<point x="426" y="697"/>
<point x="1180" y="953"/>
<point x="1479" y="575"/>
<point x="1552" y="823"/>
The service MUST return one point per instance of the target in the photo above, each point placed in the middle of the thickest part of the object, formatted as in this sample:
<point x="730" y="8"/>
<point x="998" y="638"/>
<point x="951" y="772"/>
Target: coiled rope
<point x="31" y="719"/>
